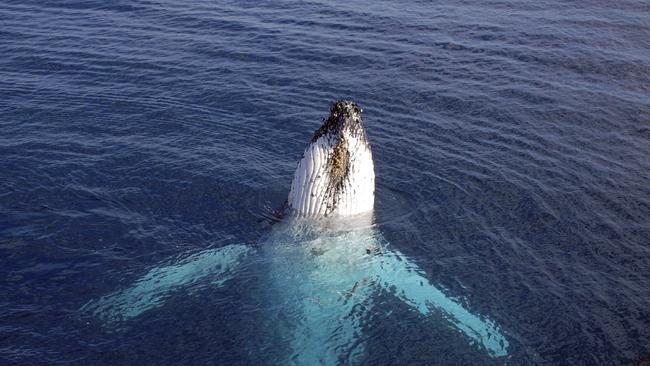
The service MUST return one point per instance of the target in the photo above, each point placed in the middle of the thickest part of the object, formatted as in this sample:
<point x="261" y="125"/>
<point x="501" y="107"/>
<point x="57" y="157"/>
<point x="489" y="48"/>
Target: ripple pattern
<point x="512" y="153"/>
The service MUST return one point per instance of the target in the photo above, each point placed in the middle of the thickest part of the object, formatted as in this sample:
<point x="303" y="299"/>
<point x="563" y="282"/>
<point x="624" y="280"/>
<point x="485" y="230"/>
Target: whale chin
<point x="335" y="176"/>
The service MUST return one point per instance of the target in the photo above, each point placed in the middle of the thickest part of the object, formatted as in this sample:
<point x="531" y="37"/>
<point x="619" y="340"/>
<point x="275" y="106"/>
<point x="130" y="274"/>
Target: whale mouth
<point x="335" y="175"/>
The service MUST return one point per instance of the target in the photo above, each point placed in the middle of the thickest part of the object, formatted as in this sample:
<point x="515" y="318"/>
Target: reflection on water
<point x="322" y="277"/>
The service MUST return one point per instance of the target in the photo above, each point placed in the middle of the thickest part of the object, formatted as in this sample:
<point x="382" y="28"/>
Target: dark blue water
<point x="511" y="143"/>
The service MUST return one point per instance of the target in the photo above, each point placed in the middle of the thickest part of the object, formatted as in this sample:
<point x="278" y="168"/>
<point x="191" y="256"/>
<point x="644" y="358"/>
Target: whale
<point x="323" y="263"/>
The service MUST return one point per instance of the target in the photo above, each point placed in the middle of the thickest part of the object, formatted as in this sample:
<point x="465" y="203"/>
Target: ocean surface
<point x="511" y="142"/>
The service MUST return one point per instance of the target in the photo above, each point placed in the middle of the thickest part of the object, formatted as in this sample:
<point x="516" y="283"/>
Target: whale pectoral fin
<point x="402" y="277"/>
<point x="151" y="290"/>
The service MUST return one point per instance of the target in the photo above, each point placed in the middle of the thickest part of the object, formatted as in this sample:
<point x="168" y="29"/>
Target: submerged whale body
<point x="325" y="260"/>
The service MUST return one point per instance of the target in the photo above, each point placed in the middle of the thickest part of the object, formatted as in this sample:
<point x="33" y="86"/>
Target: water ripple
<point x="510" y="141"/>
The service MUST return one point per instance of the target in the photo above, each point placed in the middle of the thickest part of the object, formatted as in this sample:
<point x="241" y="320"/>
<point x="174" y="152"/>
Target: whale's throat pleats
<point x="335" y="177"/>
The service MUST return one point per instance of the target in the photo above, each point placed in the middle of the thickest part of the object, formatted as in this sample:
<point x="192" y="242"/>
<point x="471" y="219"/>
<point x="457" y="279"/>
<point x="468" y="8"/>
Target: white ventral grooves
<point x="336" y="175"/>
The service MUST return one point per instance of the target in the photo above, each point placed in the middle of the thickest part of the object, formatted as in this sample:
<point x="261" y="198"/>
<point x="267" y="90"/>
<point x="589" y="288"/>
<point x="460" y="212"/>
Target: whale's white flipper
<point x="150" y="291"/>
<point x="403" y="278"/>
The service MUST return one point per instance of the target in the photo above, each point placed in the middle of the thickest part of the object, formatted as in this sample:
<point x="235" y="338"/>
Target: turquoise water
<point x="512" y="149"/>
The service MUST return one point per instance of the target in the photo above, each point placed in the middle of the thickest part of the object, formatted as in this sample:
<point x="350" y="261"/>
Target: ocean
<point x="511" y="144"/>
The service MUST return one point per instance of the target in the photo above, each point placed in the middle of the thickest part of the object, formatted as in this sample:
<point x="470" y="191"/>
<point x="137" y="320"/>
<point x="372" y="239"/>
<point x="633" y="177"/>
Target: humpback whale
<point x="324" y="262"/>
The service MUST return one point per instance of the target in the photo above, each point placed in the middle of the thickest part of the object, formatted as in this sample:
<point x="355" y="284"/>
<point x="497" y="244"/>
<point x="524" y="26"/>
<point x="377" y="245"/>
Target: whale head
<point x="335" y="176"/>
